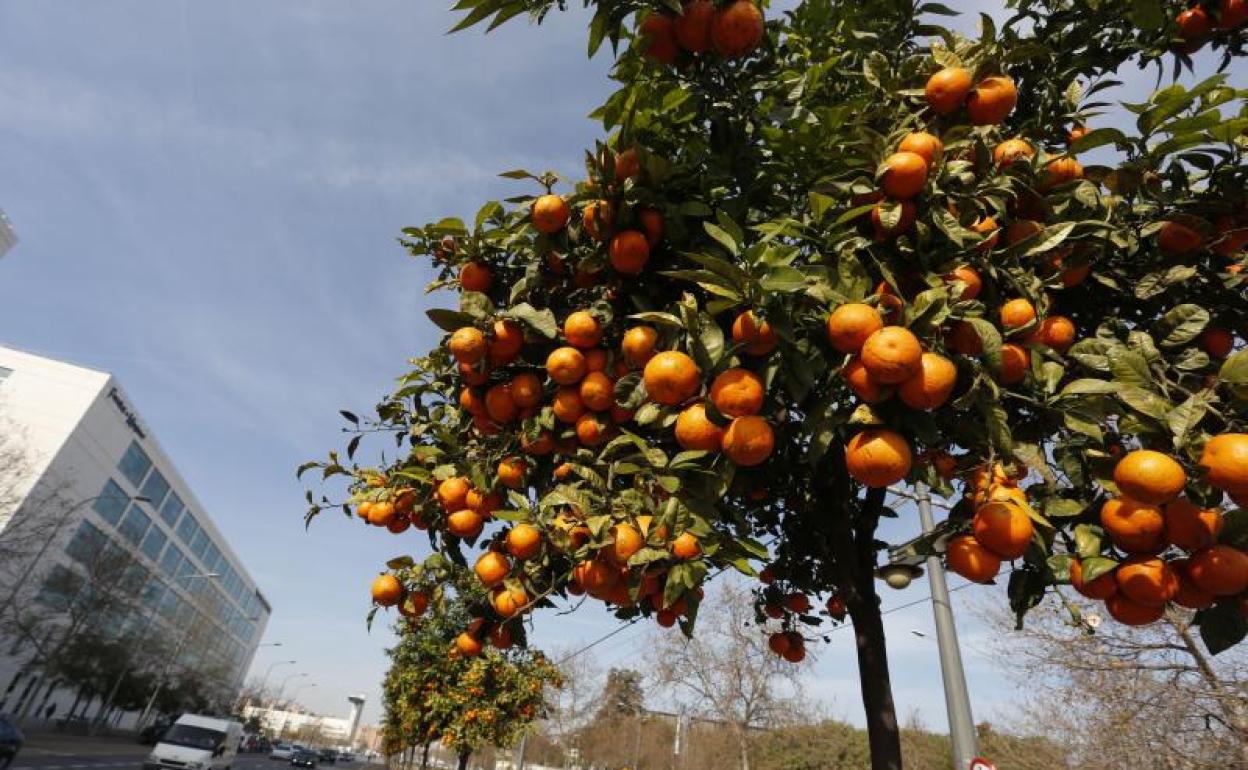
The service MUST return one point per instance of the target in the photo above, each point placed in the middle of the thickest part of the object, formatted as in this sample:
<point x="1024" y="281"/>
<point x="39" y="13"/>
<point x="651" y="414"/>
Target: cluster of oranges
<point x="1196" y="25"/>
<point x="1001" y="529"/>
<point x="732" y="31"/>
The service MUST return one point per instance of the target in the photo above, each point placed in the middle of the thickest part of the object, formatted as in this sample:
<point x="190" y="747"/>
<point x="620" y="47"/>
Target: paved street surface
<point x="75" y="753"/>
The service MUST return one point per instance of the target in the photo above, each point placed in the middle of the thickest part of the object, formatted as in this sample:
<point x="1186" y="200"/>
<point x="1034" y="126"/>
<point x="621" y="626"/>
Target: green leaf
<point x="1184" y="418"/>
<point x="449" y="320"/>
<point x="476" y="304"/>
<point x="1146" y="403"/>
<point x="991" y="339"/>
<point x="1097" y="138"/>
<point x="1222" y="626"/>
<point x="1181" y="325"/>
<point x="1129" y="367"/>
<point x="1051" y="238"/>
<point x="541" y="321"/>
<point x="722" y="237"/>
<point x="1093" y="567"/>
<point x="1147" y="15"/>
<point x="1234" y="369"/>
<point x="1088" y="539"/>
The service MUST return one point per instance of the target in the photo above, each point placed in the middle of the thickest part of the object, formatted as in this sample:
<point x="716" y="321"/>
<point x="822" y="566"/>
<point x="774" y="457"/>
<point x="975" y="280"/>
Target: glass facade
<point x="155" y="489"/>
<point x="135" y="525"/>
<point x="154" y="543"/>
<point x="171" y="510"/>
<point x="111" y="503"/>
<point x="135" y="464"/>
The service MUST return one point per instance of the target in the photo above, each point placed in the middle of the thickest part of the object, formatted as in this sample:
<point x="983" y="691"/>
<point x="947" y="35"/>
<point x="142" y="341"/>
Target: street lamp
<point x="47" y="542"/>
<point x="286" y="712"/>
<point x="177" y="653"/>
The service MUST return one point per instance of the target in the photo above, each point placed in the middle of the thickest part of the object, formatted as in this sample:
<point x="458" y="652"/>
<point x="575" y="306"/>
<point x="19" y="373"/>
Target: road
<point x="91" y="758"/>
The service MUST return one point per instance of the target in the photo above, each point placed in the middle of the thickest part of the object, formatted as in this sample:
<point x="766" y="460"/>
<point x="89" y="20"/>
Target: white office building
<point x="87" y="481"/>
<point x="8" y="236"/>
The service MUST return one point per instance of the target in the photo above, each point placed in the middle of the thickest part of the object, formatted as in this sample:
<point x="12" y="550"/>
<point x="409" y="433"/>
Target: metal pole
<point x="957" y="699"/>
<point x="524" y="739"/>
<point x="177" y="653"/>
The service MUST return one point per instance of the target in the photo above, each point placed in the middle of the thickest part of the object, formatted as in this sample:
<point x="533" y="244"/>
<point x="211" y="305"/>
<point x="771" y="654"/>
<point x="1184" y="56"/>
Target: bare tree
<point x="1152" y="698"/>
<point x="728" y="669"/>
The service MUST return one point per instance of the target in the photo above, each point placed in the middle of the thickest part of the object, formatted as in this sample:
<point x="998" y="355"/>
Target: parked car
<point x="303" y="758"/>
<point x="346" y="756"/>
<point x="201" y="742"/>
<point x="329" y="756"/>
<point x="282" y="751"/>
<point x="11" y="740"/>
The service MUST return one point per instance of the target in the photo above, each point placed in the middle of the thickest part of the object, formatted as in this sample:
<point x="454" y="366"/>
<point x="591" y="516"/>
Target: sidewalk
<point x="79" y="745"/>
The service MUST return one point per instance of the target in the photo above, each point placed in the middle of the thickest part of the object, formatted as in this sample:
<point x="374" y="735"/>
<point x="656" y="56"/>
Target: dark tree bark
<point x="424" y="761"/>
<point x="463" y="760"/>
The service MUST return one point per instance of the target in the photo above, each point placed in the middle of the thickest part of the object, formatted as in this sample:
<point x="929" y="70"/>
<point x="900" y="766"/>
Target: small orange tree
<point x="822" y="256"/>
<point x="441" y="687"/>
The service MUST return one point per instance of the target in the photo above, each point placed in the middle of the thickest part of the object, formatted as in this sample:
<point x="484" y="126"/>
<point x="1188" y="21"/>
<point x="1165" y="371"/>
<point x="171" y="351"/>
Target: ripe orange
<point x="1150" y="477"/>
<point x="651" y="220"/>
<point x="695" y="431"/>
<point x="851" y="324"/>
<point x="1057" y="332"/>
<point x="597" y="391"/>
<point x="1146" y="580"/>
<point x="483" y="503"/>
<point x="414" y="605"/>
<point x="511" y="472"/>
<point x="1194" y="24"/>
<point x="453" y="492"/>
<point x="591" y="430"/>
<point x="1189" y="526"/>
<point x="1226" y="459"/>
<point x="921" y="143"/>
<point x="625" y="541"/>
<point x="966" y="557"/>
<point x="878" y="457"/>
<point x="962" y="338"/>
<point x="987" y="227"/>
<point x="797" y="648"/>
<point x="665" y="618"/>
<point x="1003" y="528"/>
<point x="525" y="389"/>
<point x="882" y="232"/>
<point x="1189" y="594"/>
<point x="382" y="514"/>
<point x="757" y="335"/>
<point x="671" y="377"/>
<point x="1059" y="172"/>
<point x="629" y="252"/>
<point x="627" y="165"/>
<point x="500" y="639"/>
<point x="859" y="381"/>
<point x="972" y="284"/>
<point x="524" y="541"/>
<point x="596" y="360"/>
<point x="749" y="440"/>
<point x="892" y="355"/>
<point x="567" y="404"/>
<point x="1178" y="238"/>
<point x="638" y="344"/>
<point x="991" y="100"/>
<point x="467" y="345"/>
<point x="1103" y="587"/>
<point x="1232" y="14"/>
<point x="797" y="602"/>
<point x="693" y="26"/>
<point x="1222" y="570"/>
<point x="1017" y="312"/>
<point x="1133" y="526"/>
<point x="1131" y="613"/>
<point x="778" y="643"/>
<point x="473" y="375"/>
<point x="931" y="386"/>
<point x="465" y="523"/>
<point x="1015" y="363"/>
<point x="686" y="546"/>
<point x="1012" y="150"/>
<point x="598" y="218"/>
<point x="1076" y="133"/>
<point x="506" y="343"/>
<point x="737" y="28"/>
<point x="1217" y="342"/>
<point x="946" y="90"/>
<point x="550" y="213"/>
<point x="475" y="276"/>
<point x="566" y="365"/>
<point x="499" y="405"/>
<point x="492" y="568"/>
<point x="905" y="174"/>
<point x="737" y="392"/>
<point x="1022" y="229"/>
<point x="387" y="590"/>
<point x="659" y="37"/>
<point x="582" y="330"/>
<point x="468" y="645"/>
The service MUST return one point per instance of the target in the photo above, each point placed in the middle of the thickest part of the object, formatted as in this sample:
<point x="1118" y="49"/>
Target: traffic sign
<point x="979" y="763"/>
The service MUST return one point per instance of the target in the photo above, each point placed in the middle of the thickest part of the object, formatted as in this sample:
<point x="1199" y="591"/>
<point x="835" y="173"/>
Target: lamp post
<point x="901" y="569"/>
<point x="47" y="542"/>
<point x="177" y="653"/>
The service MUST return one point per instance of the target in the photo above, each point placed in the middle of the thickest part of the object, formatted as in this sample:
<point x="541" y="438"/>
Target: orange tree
<point x="831" y="254"/>
<point x="442" y="687"/>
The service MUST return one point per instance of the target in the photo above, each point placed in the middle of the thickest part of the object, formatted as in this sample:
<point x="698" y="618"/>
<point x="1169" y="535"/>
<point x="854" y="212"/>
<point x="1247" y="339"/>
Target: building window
<point x="170" y="605"/>
<point x="154" y="543"/>
<point x="155" y="489"/>
<point x="86" y="543"/>
<point x="212" y="559"/>
<point x="172" y="509"/>
<point x="171" y="561"/>
<point x="60" y="588"/>
<point x="200" y="546"/>
<point x="187" y="528"/>
<point x="111" y="503"/>
<point x="154" y="592"/>
<point x="135" y="525"/>
<point x="134" y="578"/>
<point x="135" y="464"/>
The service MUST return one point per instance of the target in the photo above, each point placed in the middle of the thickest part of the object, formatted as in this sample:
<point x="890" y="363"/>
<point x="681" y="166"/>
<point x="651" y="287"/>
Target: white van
<point x="196" y="743"/>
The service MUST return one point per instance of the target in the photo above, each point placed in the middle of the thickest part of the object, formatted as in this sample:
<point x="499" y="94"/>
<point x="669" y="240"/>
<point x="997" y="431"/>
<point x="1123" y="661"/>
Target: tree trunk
<point x="743" y="747"/>
<point x="877" y="691"/>
<point x="463" y="761"/>
<point x="424" y="760"/>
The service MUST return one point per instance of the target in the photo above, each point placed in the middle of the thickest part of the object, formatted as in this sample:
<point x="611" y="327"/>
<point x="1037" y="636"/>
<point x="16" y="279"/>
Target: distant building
<point x="96" y="484"/>
<point x="8" y="236"/>
<point x="292" y="723"/>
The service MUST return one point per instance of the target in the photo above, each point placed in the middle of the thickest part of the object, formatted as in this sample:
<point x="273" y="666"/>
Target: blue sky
<point x="207" y="196"/>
